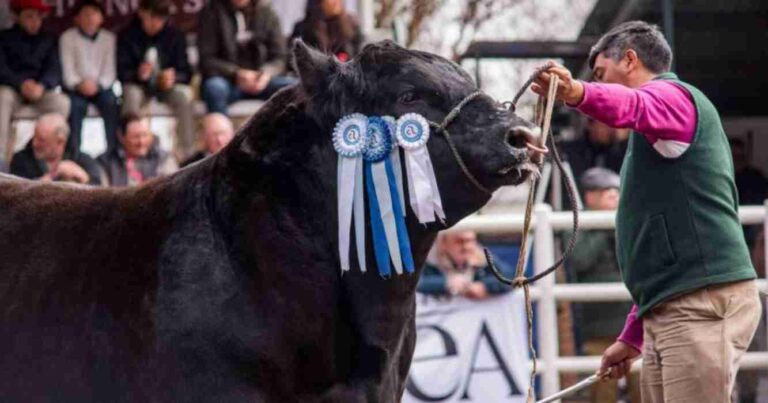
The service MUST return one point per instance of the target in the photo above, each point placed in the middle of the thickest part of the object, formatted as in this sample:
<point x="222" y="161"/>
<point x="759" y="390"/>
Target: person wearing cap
<point x="89" y="70"/>
<point x="30" y="71"/>
<point x="152" y="62"/>
<point x="680" y="247"/>
<point x="593" y="260"/>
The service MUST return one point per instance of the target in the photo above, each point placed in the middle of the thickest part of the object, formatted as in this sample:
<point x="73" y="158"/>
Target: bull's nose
<point x="526" y="138"/>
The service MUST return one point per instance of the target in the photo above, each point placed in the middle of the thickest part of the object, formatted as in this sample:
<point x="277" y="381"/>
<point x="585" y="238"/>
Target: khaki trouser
<point x="10" y="100"/>
<point x="693" y="343"/>
<point x="179" y="98"/>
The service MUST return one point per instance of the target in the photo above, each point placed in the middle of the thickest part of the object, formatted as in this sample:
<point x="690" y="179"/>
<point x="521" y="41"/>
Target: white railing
<point x="544" y="224"/>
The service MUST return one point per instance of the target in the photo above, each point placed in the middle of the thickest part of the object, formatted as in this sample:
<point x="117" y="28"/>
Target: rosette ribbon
<point x="389" y="233"/>
<point x="412" y="133"/>
<point x="349" y="141"/>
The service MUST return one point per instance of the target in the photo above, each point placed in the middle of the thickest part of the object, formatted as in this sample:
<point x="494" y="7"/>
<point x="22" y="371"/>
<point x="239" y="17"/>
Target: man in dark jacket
<point x="29" y="69"/>
<point x="242" y="52"/>
<point x="152" y="62"/>
<point x="44" y="158"/>
<point x="138" y="158"/>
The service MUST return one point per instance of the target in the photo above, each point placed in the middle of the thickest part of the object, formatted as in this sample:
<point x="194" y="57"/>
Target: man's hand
<point x="145" y="71"/>
<point x="88" y="88"/>
<point x="166" y="79"/>
<point x="262" y="81"/>
<point x="569" y="90"/>
<point x="70" y="172"/>
<point x="246" y="80"/>
<point x="32" y="90"/>
<point x="456" y="283"/>
<point x="618" y="359"/>
<point x="476" y="290"/>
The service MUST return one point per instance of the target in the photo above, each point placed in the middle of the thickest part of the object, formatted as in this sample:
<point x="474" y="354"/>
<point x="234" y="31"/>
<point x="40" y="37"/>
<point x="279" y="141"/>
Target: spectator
<point x="328" y="27"/>
<point x="88" y="66"/>
<point x="152" y="62"/>
<point x="138" y="158"/>
<point x="242" y="52"/>
<point x="5" y="15"/>
<point x="593" y="260"/>
<point x="457" y="266"/>
<point x="217" y="131"/>
<point x="45" y="157"/>
<point x="29" y="69"/>
<point x="600" y="146"/>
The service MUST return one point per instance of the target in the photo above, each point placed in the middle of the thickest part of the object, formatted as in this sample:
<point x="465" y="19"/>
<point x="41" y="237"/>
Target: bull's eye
<point x="408" y="97"/>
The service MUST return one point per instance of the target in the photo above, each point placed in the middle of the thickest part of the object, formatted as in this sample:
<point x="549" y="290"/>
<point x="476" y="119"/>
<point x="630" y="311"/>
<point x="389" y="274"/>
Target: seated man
<point x="88" y="66"/>
<point x="29" y="69"/>
<point x="152" y="62"/>
<point x="45" y="158"/>
<point x="593" y="260"/>
<point x="242" y="52"/>
<point x="138" y="158"/>
<point x="457" y="266"/>
<point x="217" y="131"/>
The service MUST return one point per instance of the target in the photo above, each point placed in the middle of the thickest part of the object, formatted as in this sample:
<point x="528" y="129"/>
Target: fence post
<point x="544" y="246"/>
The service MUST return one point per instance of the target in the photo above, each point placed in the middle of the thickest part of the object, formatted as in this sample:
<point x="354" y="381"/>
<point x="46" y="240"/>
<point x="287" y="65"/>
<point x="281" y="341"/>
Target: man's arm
<point x="51" y="76"/>
<point x="181" y="60"/>
<point x="633" y="330"/>
<point x="660" y="109"/>
<point x="276" y="46"/>
<point x="127" y="63"/>
<point x="109" y="67"/>
<point x="7" y="75"/>
<point x="70" y="77"/>
<point x="208" y="38"/>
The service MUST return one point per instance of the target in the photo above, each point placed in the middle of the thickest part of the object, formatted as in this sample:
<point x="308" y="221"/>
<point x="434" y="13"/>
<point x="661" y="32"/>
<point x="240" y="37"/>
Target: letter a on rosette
<point x="389" y="234"/>
<point x="412" y="133"/>
<point x="349" y="140"/>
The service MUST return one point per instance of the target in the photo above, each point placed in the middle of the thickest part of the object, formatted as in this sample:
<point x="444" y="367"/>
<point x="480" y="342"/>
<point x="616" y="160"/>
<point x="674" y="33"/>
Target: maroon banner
<point x="120" y="12"/>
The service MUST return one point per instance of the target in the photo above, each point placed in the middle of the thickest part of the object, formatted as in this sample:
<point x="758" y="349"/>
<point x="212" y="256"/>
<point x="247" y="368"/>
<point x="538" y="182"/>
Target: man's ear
<point x="314" y="67"/>
<point x="632" y="59"/>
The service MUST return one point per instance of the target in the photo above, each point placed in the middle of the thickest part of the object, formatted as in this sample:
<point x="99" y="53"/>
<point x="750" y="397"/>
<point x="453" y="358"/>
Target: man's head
<point x="601" y="189"/>
<point x="135" y="136"/>
<point x="240" y="4"/>
<point x="89" y="16"/>
<point x="154" y="15"/>
<point x="30" y="14"/>
<point x="458" y="246"/>
<point x="50" y="138"/>
<point x="217" y="132"/>
<point x="630" y="54"/>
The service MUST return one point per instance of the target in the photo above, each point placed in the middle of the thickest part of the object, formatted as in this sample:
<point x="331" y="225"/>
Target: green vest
<point x="677" y="227"/>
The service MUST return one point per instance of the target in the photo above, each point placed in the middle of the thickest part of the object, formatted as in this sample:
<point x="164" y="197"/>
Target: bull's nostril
<point x="519" y="136"/>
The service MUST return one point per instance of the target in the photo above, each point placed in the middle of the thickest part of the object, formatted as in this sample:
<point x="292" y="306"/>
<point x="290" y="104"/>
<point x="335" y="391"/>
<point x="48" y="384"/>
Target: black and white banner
<point x="469" y="351"/>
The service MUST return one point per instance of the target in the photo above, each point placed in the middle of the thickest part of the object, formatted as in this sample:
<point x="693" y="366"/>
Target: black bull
<point x="221" y="283"/>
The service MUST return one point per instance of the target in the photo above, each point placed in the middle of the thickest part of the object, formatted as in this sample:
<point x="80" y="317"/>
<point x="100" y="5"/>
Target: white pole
<point x="544" y="246"/>
<point x="365" y="13"/>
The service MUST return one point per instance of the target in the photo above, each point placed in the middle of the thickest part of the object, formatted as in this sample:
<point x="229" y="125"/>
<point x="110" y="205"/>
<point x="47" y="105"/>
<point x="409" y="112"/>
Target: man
<point x="138" y="158"/>
<point x="594" y="261"/>
<point x="29" y="69"/>
<point x="242" y="52"/>
<point x="89" y="70"/>
<point x="45" y="158"/>
<point x="152" y="62"/>
<point x="217" y="131"/>
<point x="457" y="266"/>
<point x="680" y="246"/>
<point x="599" y="146"/>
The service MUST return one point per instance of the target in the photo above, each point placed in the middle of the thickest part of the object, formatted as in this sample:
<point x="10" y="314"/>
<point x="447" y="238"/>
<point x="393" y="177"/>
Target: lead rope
<point x="543" y="113"/>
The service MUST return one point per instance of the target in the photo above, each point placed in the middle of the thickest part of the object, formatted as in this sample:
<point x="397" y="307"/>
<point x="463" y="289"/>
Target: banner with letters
<point x="469" y="351"/>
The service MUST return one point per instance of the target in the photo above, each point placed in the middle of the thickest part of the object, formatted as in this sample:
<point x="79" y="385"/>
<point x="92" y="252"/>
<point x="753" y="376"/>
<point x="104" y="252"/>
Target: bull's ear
<point x="313" y="67"/>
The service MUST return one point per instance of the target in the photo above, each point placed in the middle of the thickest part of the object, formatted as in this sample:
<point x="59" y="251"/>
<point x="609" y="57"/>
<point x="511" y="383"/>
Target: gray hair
<point x="57" y="122"/>
<point x="644" y="38"/>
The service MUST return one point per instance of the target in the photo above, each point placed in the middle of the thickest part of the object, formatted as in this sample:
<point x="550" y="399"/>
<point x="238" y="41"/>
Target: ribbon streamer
<point x="412" y="133"/>
<point x="349" y="141"/>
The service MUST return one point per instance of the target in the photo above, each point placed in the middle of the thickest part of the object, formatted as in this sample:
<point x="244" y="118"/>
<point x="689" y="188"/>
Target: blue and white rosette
<point x="350" y="140"/>
<point x="412" y="134"/>
<point x="389" y="233"/>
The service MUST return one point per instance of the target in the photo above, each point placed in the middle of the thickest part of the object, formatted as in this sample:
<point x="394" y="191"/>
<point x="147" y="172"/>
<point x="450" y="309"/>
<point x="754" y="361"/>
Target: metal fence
<point x="546" y="293"/>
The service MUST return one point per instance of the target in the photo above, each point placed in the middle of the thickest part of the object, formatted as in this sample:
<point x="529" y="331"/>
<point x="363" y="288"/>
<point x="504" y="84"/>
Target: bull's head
<point x="386" y="79"/>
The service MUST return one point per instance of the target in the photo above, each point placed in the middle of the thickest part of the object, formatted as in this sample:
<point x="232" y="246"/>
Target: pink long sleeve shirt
<point x="665" y="114"/>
